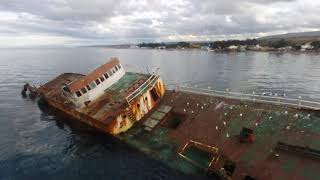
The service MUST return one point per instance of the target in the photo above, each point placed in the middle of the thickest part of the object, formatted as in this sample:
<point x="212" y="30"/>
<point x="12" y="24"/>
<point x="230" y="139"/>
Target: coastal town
<point x="281" y="45"/>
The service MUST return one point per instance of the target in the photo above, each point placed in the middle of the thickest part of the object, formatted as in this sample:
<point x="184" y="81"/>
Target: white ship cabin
<point x="91" y="86"/>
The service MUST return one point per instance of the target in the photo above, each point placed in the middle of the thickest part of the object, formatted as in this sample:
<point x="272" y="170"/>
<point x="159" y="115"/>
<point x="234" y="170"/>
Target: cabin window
<point x="65" y="88"/>
<point x="83" y="90"/>
<point x="88" y="87"/>
<point x="78" y="93"/>
<point x="101" y="78"/>
<point x="97" y="81"/>
<point x="116" y="67"/>
<point x="119" y="67"/>
<point x="110" y="73"/>
<point x="106" y="75"/>
<point x="113" y="71"/>
<point x="92" y="85"/>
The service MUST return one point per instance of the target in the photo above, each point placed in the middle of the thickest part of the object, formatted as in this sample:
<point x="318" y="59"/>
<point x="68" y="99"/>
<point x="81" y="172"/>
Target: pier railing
<point x="150" y="81"/>
<point x="278" y="100"/>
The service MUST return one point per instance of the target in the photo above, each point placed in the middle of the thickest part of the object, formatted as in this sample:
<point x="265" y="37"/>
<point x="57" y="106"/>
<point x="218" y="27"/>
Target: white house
<point x="306" y="46"/>
<point x="233" y="47"/>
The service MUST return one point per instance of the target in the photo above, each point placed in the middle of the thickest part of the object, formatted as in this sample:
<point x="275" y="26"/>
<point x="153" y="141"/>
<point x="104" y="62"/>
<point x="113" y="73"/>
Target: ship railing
<point x="278" y="100"/>
<point x="149" y="82"/>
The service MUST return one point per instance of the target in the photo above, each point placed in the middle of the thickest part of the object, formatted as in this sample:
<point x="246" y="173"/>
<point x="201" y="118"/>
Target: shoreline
<point x="218" y="52"/>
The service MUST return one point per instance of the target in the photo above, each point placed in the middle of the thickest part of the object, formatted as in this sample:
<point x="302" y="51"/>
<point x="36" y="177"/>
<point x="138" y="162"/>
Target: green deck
<point x="119" y="89"/>
<point x="158" y="145"/>
<point x="114" y="95"/>
<point x="197" y="155"/>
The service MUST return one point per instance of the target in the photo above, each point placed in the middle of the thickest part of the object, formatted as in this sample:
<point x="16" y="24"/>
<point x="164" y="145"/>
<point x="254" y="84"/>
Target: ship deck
<point x="114" y="98"/>
<point x="218" y="121"/>
<point x="52" y="89"/>
<point x="106" y="106"/>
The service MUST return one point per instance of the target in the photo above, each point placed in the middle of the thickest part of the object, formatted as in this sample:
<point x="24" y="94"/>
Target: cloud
<point x="122" y="21"/>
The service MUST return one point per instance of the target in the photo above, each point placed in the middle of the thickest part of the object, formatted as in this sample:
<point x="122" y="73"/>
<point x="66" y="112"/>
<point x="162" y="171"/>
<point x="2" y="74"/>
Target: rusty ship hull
<point x="111" y="113"/>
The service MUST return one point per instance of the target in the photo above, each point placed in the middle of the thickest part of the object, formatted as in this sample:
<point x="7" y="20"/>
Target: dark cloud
<point x="136" y="20"/>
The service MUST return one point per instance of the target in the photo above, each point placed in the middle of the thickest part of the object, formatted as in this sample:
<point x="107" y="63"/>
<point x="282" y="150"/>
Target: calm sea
<point x="36" y="144"/>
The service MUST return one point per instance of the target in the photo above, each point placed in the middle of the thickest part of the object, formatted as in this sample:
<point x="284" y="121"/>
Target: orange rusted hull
<point x="113" y="121"/>
<point x="137" y="109"/>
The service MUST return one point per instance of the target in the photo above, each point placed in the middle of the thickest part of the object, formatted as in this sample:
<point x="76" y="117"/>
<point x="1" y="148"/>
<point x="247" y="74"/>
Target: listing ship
<point x="198" y="131"/>
<point x="108" y="98"/>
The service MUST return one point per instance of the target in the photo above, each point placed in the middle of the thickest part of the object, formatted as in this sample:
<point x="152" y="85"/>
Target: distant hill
<point x="300" y="37"/>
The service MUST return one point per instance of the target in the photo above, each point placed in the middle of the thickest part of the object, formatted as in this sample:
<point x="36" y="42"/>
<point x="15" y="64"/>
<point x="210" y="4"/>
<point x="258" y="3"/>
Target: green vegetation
<point x="163" y="45"/>
<point x="240" y="45"/>
<point x="225" y="44"/>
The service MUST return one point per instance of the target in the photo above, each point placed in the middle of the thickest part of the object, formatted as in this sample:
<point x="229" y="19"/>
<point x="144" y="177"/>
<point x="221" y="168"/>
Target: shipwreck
<point x="108" y="98"/>
<point x="197" y="131"/>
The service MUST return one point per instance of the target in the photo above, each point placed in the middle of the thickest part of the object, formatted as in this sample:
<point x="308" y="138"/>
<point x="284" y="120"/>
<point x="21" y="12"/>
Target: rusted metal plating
<point x="138" y="107"/>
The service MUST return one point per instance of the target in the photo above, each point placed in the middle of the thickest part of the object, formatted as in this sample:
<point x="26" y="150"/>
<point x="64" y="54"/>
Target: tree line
<point x="280" y="43"/>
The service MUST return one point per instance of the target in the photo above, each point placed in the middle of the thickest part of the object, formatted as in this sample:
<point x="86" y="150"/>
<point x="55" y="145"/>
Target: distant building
<point x="233" y="47"/>
<point x="306" y="46"/>
<point x="241" y="48"/>
<point x="204" y="47"/>
<point x="286" y="48"/>
<point x="257" y="47"/>
<point x="161" y="47"/>
<point x="134" y="46"/>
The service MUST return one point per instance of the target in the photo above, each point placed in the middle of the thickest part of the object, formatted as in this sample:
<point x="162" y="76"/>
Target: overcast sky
<point x="86" y="22"/>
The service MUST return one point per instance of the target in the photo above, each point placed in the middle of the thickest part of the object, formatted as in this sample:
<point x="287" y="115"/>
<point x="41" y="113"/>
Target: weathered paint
<point x="121" y="124"/>
<point x="144" y="103"/>
<point x="99" y="89"/>
<point x="138" y="108"/>
<point x="100" y="115"/>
